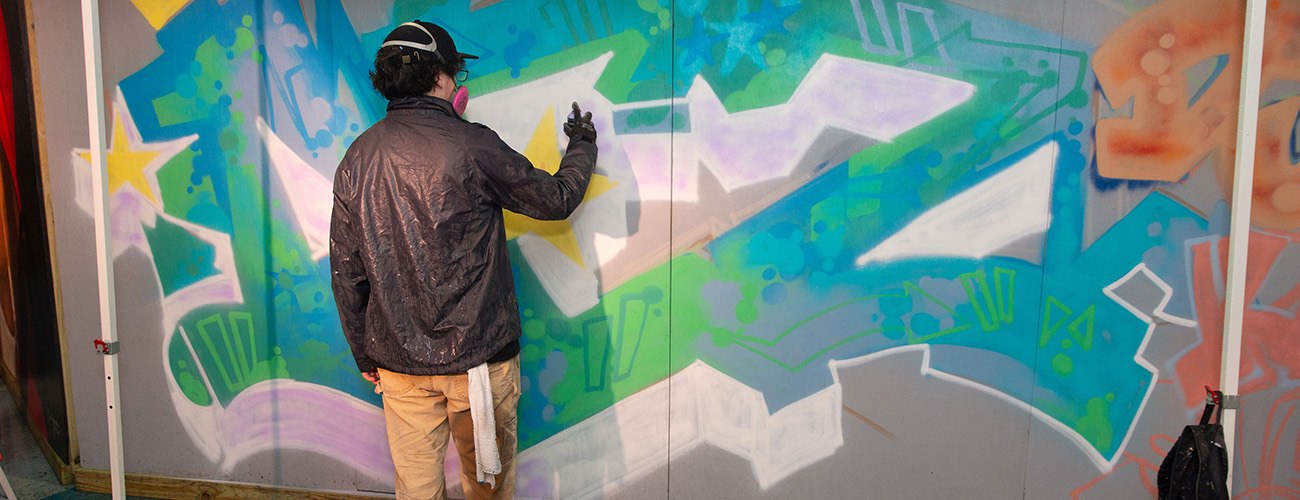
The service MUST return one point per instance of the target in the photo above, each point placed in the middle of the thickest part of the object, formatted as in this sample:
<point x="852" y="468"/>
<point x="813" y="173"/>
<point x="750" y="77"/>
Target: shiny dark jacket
<point x="421" y="274"/>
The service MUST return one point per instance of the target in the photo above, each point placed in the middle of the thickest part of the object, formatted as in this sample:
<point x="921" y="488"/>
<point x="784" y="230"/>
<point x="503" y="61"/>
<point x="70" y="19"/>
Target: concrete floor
<point x="23" y="463"/>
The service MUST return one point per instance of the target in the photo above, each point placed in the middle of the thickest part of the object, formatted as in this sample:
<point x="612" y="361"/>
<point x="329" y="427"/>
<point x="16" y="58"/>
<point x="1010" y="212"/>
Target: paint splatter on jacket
<point x="420" y="269"/>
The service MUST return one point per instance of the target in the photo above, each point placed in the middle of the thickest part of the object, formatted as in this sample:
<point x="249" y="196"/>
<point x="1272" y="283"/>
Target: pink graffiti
<point x="1132" y="463"/>
<point x="1281" y="429"/>
<point x="1269" y="335"/>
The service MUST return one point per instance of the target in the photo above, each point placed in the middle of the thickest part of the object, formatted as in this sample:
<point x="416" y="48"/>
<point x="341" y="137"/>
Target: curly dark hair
<point x="395" y="79"/>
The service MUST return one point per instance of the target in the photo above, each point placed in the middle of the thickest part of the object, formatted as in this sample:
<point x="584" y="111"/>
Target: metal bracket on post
<point x="108" y="348"/>
<point x="1231" y="402"/>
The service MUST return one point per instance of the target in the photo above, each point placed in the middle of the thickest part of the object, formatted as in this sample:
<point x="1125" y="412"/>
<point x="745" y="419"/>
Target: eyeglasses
<point x="462" y="75"/>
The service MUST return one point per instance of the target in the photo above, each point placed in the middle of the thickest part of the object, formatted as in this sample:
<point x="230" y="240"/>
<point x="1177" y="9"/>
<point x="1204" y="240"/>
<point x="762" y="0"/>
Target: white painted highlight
<point x="221" y="288"/>
<point x="607" y="247"/>
<point x="310" y="194"/>
<point x="513" y="114"/>
<point x="741" y="148"/>
<point x="127" y="207"/>
<point x="871" y="100"/>
<point x="1151" y="321"/>
<point x="324" y="420"/>
<point x="1159" y="315"/>
<point x="708" y="407"/>
<point x="1014" y="204"/>
<point x="1100" y="462"/>
<point x="573" y="289"/>
<point x="200" y="422"/>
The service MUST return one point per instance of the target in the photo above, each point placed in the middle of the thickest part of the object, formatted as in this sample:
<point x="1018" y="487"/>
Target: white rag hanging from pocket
<point x="486" y="456"/>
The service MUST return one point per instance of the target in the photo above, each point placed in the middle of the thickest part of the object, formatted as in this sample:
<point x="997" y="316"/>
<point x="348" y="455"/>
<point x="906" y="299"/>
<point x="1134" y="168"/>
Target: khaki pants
<point x="421" y="410"/>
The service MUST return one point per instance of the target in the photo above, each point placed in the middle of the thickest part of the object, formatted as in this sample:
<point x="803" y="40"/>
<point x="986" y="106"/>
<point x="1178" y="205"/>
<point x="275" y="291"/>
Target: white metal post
<point x="1243" y="182"/>
<point x="104" y="258"/>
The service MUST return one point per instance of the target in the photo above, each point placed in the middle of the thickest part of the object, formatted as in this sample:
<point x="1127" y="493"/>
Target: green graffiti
<point x="993" y="308"/>
<point x="616" y="83"/>
<point x="752" y="343"/>
<point x="235" y="369"/>
<point x="646" y="117"/>
<point x="179" y="194"/>
<point x="1056" y="314"/>
<point x="209" y="78"/>
<point x="912" y="294"/>
<point x="405" y="10"/>
<point x="187" y="374"/>
<point x="1095" y="424"/>
<point x="182" y="259"/>
<point x="1062" y="364"/>
<point x="320" y="362"/>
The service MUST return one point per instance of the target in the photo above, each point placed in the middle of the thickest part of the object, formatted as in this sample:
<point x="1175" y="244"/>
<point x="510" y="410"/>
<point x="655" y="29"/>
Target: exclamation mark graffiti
<point x="634" y="312"/>
<point x="595" y="353"/>
<point x="993" y="305"/>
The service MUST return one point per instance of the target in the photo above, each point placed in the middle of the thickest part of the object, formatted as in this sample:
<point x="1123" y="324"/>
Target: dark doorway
<point x="32" y="354"/>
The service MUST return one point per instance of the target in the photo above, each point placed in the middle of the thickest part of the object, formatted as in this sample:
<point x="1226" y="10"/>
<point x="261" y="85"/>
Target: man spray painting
<point x="420" y="269"/>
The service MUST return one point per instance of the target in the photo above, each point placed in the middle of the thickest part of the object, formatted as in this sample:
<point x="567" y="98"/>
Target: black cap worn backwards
<point x="420" y="38"/>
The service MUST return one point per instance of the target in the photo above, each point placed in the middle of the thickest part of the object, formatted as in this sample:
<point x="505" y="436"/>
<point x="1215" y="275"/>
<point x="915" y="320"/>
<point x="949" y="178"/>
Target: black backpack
<point x="1196" y="468"/>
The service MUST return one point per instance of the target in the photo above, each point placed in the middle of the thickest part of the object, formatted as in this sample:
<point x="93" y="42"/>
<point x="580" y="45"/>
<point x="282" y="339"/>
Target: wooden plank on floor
<point x="140" y="485"/>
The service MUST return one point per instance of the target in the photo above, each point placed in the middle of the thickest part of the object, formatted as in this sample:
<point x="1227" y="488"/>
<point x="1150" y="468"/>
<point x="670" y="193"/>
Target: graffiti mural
<point x="796" y="202"/>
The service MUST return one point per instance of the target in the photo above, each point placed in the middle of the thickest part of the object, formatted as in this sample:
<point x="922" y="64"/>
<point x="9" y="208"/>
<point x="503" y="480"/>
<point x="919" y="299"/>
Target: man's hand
<point x="372" y="377"/>
<point x="579" y="126"/>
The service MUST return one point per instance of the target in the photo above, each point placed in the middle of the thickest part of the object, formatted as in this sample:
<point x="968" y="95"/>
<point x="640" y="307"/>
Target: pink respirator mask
<point x="460" y="100"/>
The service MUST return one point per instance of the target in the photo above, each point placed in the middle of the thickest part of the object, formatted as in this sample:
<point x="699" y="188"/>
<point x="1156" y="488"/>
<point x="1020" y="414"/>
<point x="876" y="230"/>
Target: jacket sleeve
<point x="348" y="273"/>
<point x="516" y="185"/>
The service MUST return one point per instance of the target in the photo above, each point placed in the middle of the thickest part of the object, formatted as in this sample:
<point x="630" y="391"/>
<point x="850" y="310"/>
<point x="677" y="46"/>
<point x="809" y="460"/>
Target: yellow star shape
<point x="544" y="151"/>
<point x="129" y="161"/>
<point x="127" y="165"/>
<point x="158" y="12"/>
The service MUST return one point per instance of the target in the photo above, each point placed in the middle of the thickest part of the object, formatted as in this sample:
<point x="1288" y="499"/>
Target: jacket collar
<point x="422" y="102"/>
